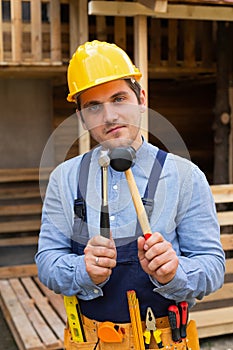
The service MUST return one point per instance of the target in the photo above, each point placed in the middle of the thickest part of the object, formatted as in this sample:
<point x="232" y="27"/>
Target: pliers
<point x="151" y="327"/>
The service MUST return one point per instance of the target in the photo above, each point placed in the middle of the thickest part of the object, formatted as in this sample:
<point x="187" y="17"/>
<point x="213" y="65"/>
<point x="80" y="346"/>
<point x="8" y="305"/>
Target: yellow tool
<point x="151" y="327"/>
<point x="74" y="318"/>
<point x="135" y="320"/>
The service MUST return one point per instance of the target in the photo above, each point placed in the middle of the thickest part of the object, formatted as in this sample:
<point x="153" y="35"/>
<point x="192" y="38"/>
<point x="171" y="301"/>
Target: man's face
<point x="112" y="114"/>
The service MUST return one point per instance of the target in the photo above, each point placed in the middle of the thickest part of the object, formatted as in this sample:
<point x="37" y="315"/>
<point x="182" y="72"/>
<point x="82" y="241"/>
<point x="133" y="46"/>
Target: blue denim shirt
<point x="184" y="213"/>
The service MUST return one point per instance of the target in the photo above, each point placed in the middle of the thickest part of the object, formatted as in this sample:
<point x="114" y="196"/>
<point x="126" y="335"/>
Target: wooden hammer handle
<point x="139" y="207"/>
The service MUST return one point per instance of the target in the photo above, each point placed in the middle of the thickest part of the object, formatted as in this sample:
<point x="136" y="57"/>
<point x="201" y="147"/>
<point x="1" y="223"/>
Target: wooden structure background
<point x="177" y="45"/>
<point x="173" y="43"/>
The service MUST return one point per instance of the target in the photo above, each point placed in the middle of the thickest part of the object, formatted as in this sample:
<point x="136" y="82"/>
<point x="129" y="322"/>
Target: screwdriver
<point x="174" y="320"/>
<point x="183" y="307"/>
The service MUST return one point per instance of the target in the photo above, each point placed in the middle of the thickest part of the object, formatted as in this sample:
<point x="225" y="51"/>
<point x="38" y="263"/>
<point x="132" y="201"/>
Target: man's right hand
<point x="100" y="258"/>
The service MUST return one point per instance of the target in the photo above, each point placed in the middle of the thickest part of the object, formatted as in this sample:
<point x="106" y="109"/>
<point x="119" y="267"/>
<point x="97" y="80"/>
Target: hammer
<point x="121" y="159"/>
<point x="104" y="162"/>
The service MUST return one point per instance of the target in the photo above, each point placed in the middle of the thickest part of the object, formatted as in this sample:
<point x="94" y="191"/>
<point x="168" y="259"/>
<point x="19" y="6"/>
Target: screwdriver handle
<point x="174" y="320"/>
<point x="183" y="307"/>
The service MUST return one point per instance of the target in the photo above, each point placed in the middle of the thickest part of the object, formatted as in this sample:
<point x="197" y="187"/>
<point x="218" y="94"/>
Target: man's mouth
<point x="114" y="129"/>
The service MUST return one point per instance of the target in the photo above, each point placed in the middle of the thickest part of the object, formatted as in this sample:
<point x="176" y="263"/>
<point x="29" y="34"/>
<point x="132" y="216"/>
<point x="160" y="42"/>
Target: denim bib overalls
<point x="128" y="274"/>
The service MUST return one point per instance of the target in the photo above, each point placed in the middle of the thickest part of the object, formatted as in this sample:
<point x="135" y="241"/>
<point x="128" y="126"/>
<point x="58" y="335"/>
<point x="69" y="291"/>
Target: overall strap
<point x="148" y="199"/>
<point x="79" y="203"/>
<point x="155" y="174"/>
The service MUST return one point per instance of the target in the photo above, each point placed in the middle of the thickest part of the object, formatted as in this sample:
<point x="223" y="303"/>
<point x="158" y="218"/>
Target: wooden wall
<point x="188" y="106"/>
<point x="26" y="121"/>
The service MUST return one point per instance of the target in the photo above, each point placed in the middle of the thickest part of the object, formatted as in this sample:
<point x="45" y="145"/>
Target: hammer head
<point x="104" y="159"/>
<point x="122" y="158"/>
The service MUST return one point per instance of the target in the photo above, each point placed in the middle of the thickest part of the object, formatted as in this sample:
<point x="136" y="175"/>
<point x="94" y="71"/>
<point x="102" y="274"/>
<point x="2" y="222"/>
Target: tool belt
<point x="91" y="328"/>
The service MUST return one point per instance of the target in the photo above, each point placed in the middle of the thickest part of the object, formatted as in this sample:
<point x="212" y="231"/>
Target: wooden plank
<point x="20" y="209"/>
<point x="101" y="28"/>
<point x="213" y="322"/>
<point x="37" y="321"/>
<point x="222" y="193"/>
<point x="36" y="30"/>
<point x="141" y="61"/>
<point x="20" y="226"/>
<point x="207" y="44"/>
<point x="225" y="218"/>
<point x="24" y="174"/>
<point x="227" y="241"/>
<point x="16" y="30"/>
<point x="116" y="8"/>
<point x="18" y="271"/>
<point x="79" y="30"/>
<point x="189" y="44"/>
<point x="56" y="300"/>
<point x="160" y="6"/>
<point x="55" y="30"/>
<point x="14" y="192"/>
<point x="172" y="42"/>
<point x="17" y="241"/>
<point x="42" y="303"/>
<point x="18" y="321"/>
<point x="229" y="265"/>
<point x="155" y="42"/>
<point x="224" y="293"/>
<point x="120" y="31"/>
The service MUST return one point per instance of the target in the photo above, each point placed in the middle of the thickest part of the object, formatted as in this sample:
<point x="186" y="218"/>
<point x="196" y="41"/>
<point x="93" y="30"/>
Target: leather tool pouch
<point x="91" y="327"/>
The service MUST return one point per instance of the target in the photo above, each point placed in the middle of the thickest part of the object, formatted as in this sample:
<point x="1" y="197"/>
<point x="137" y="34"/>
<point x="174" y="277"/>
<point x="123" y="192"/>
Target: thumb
<point x="141" y="243"/>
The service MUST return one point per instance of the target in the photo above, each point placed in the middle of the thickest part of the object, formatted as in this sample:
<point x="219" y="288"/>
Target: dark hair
<point x="132" y="83"/>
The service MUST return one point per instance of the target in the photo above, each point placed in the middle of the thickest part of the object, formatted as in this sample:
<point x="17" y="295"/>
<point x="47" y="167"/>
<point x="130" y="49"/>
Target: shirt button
<point x="96" y="291"/>
<point x="112" y="217"/>
<point x="115" y="187"/>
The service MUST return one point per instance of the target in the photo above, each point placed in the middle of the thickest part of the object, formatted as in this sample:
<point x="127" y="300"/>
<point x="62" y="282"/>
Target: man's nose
<point x="109" y="113"/>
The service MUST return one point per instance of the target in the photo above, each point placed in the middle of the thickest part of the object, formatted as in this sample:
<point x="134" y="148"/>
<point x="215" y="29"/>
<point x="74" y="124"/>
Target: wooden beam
<point x="78" y="24"/>
<point x="155" y="5"/>
<point x="120" y="31"/>
<point x="79" y="35"/>
<point x="130" y="9"/>
<point x="141" y="60"/>
<point x="55" y="24"/>
<point x="189" y="44"/>
<point x="16" y="30"/>
<point x="36" y="30"/>
<point x="18" y="271"/>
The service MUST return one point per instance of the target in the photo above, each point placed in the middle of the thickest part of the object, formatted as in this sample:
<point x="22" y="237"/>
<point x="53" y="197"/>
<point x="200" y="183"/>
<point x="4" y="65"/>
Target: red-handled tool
<point x="183" y="307"/>
<point x="174" y="320"/>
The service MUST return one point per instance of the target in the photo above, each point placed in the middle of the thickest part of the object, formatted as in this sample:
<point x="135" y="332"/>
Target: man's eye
<point x="93" y="108"/>
<point x="119" y="99"/>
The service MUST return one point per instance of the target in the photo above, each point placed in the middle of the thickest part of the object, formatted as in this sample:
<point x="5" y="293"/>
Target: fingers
<point x="157" y="257"/>
<point x="100" y="258"/>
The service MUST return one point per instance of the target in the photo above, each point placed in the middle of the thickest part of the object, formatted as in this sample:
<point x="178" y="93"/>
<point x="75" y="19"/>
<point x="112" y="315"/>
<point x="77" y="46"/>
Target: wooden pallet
<point x="36" y="316"/>
<point x="214" y="314"/>
<point x="21" y="204"/>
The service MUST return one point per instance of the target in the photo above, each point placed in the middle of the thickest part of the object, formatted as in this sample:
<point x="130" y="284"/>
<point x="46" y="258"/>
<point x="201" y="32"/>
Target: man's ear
<point x="142" y="101"/>
<point x="80" y="116"/>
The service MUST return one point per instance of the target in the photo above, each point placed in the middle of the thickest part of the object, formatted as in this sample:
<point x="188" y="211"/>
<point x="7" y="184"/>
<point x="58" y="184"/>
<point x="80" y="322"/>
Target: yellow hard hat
<point x="95" y="63"/>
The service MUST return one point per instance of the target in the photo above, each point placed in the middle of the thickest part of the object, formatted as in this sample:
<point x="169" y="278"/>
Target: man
<point x="182" y="260"/>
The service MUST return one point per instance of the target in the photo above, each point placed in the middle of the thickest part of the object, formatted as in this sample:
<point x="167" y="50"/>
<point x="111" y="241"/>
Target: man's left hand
<point x="157" y="257"/>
